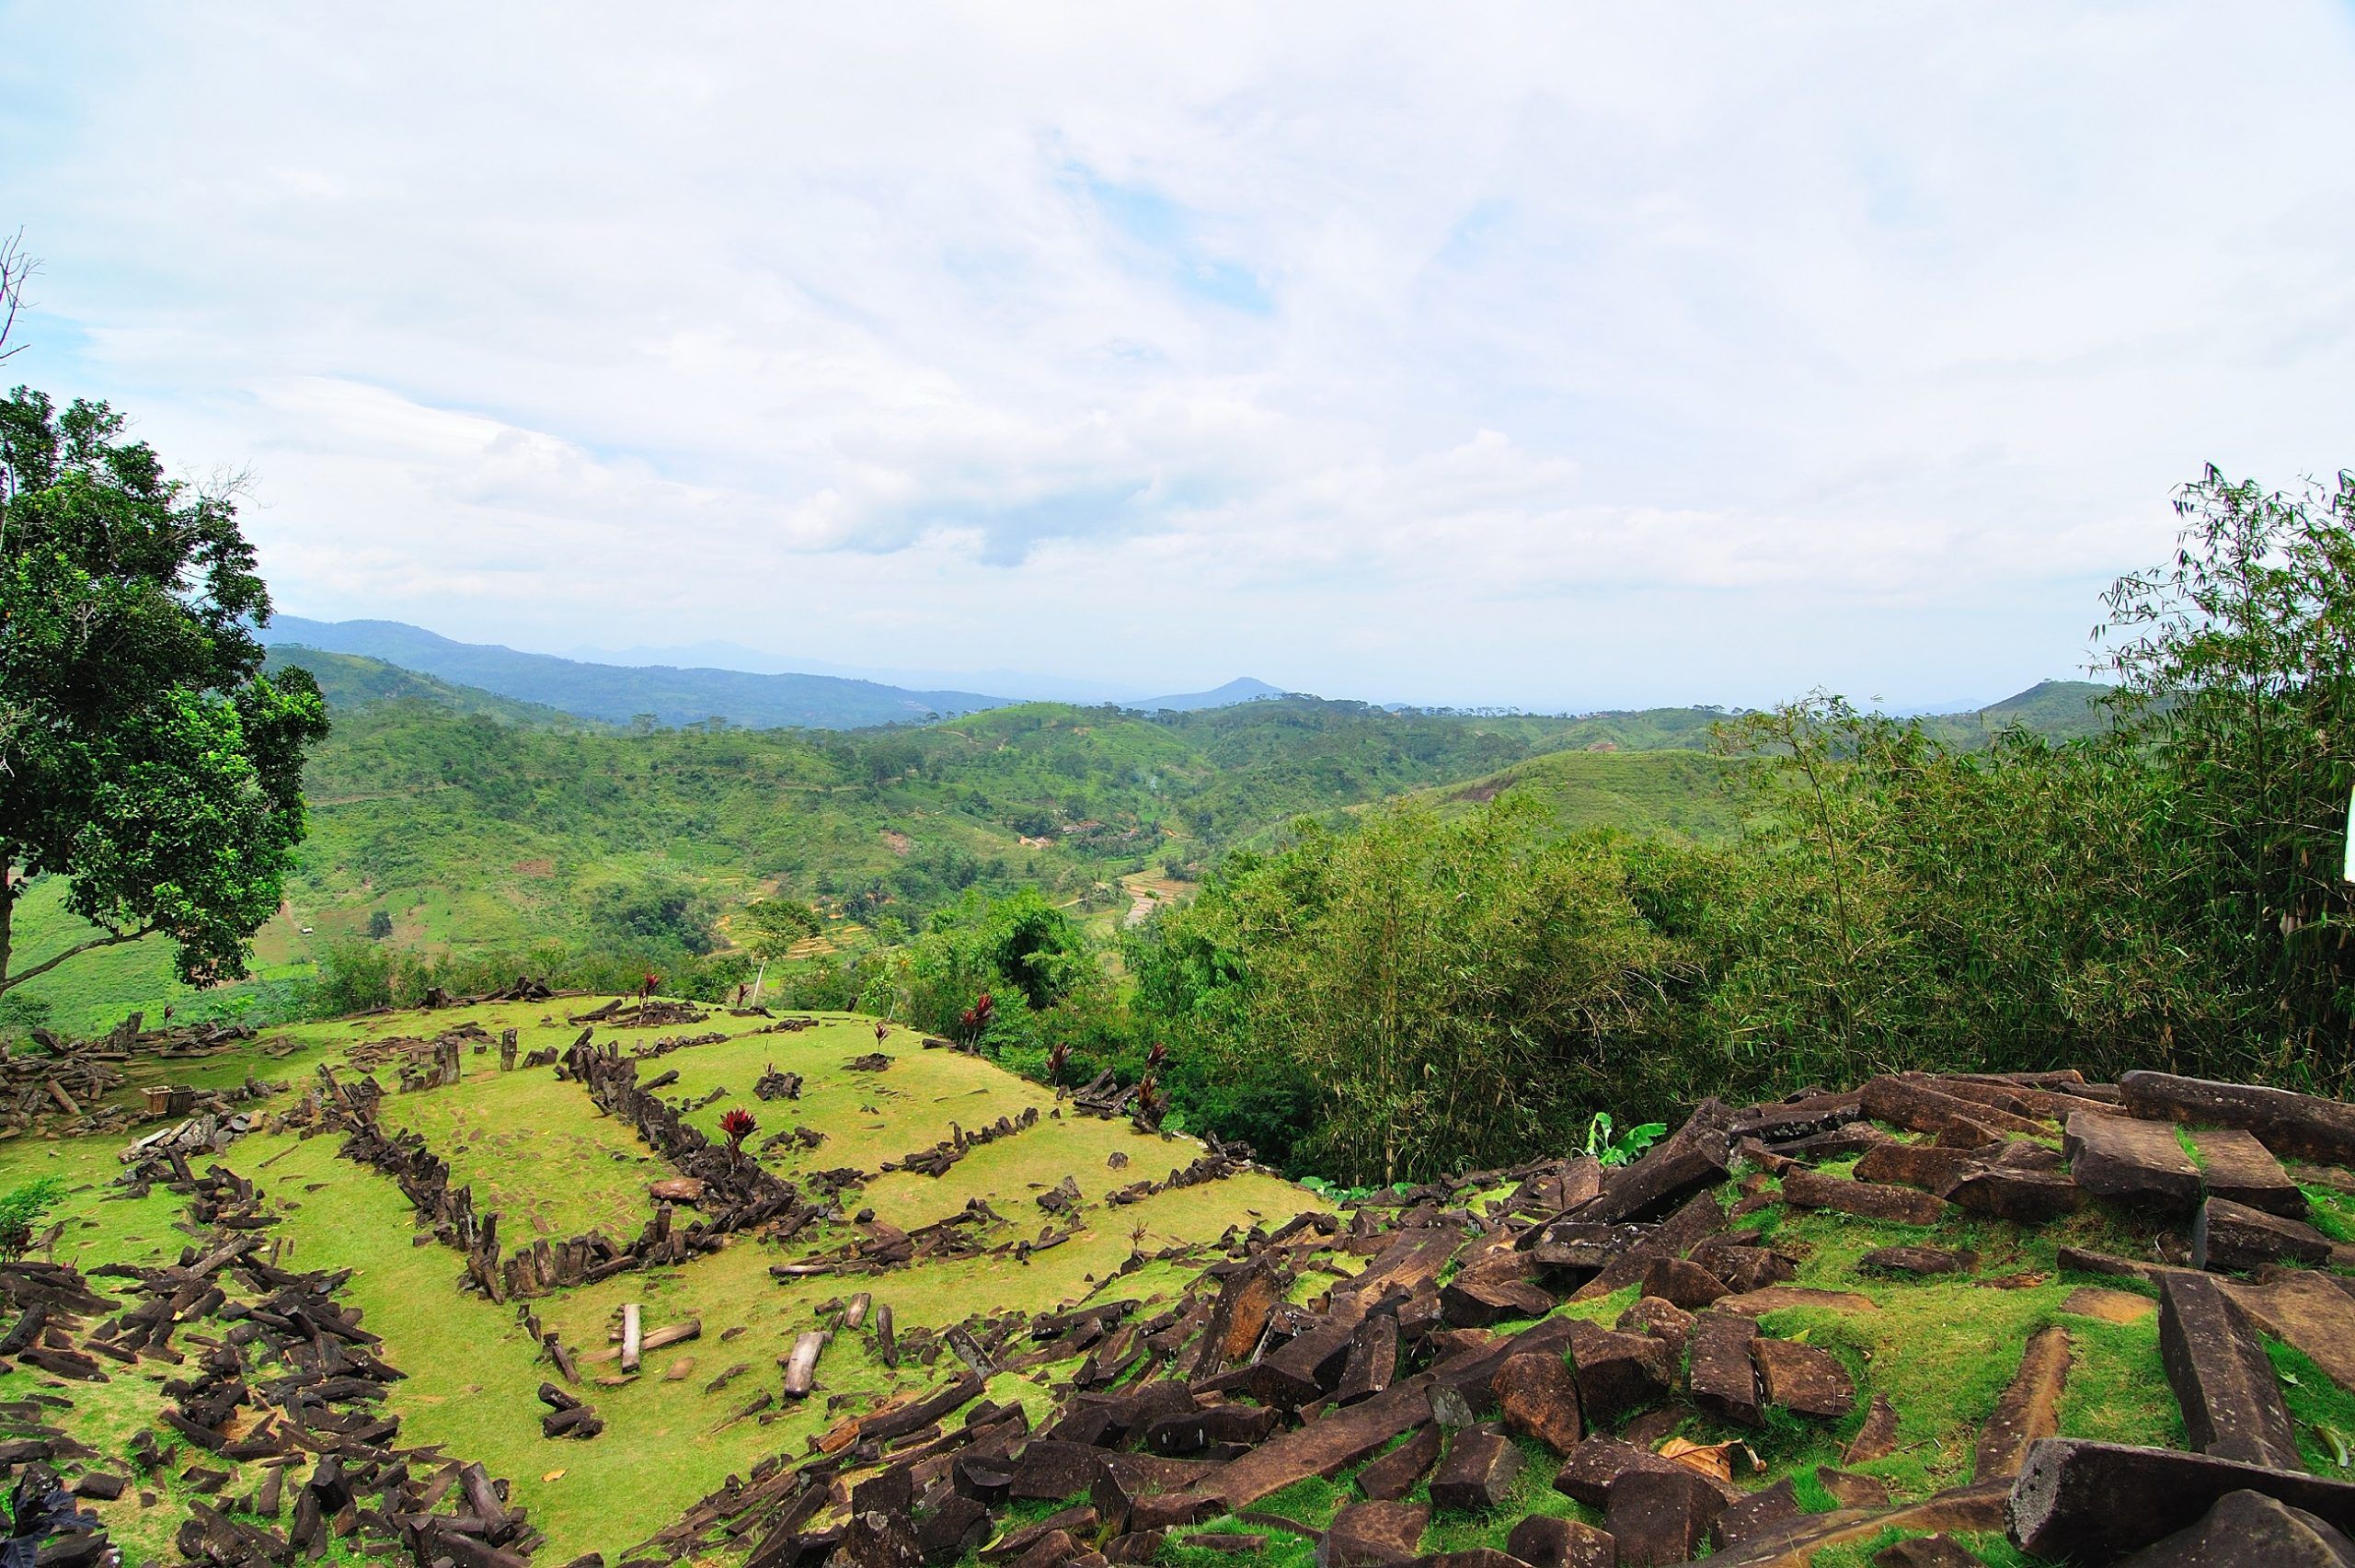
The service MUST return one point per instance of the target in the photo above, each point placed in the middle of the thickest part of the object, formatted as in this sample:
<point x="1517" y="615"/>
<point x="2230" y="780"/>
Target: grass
<point x="537" y="1151"/>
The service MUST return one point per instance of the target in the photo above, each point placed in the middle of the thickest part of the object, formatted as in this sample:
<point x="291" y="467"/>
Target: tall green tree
<point x="144" y="757"/>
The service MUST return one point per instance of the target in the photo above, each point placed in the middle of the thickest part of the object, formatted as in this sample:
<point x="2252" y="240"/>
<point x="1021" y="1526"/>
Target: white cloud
<point x="1551" y="354"/>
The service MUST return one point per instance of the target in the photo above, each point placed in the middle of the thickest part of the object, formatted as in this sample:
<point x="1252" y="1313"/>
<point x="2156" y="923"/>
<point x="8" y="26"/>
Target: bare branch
<point x="114" y="939"/>
<point x="16" y="269"/>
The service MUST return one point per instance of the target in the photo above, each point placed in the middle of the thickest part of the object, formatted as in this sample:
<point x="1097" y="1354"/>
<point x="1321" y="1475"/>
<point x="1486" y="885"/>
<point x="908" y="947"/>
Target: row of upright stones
<point x="1430" y="1375"/>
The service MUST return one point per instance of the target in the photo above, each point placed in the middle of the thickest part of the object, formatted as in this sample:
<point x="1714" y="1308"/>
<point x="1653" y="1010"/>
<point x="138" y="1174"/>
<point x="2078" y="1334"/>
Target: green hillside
<point x="1680" y="792"/>
<point x="470" y="823"/>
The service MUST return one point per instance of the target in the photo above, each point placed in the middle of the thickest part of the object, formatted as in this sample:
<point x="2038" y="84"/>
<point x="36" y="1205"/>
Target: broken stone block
<point x="1617" y="1372"/>
<point x="1876" y="1438"/>
<point x="2079" y="1498"/>
<point x="1543" y="1542"/>
<point x="2250" y="1528"/>
<point x="958" y="1525"/>
<point x="2029" y="1408"/>
<point x="1919" y="1259"/>
<point x="1537" y="1396"/>
<point x="1803" y="1378"/>
<point x="1851" y="1490"/>
<point x="1374" y="1535"/>
<point x="1663" y="1320"/>
<point x="2128" y="1160"/>
<point x="2233" y="1236"/>
<point x="1684" y="1284"/>
<point x="2232" y="1400"/>
<point x="1595" y="1465"/>
<point x="1661" y="1516"/>
<point x="2234" y="1165"/>
<point x="1871" y="1200"/>
<point x="1391" y="1476"/>
<point x="1923" y="1165"/>
<point x="1758" y="1512"/>
<point x="1478" y="1471"/>
<point x="1718" y="1368"/>
<point x="2293" y="1125"/>
<point x="1740" y="1266"/>
<point x="2025" y="1197"/>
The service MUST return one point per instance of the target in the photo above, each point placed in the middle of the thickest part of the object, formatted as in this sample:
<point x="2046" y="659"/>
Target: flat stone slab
<point x="1923" y="1165"/>
<point x="2230" y="1399"/>
<point x="1595" y="1465"/>
<point x="1718" y="1371"/>
<point x="2313" y="1312"/>
<point x="1777" y="1297"/>
<point x="1965" y="1509"/>
<point x="1331" y="1443"/>
<point x="1851" y="1490"/>
<point x="1682" y="1283"/>
<point x="1919" y="1106"/>
<point x="2028" y="1409"/>
<point x="2128" y="1160"/>
<point x="1876" y="1438"/>
<point x="2233" y="1236"/>
<point x="1388" y="1477"/>
<point x="2024" y="1195"/>
<point x="1375" y="1535"/>
<point x="2099" y="1501"/>
<point x="1803" y="1378"/>
<point x="1544" y="1541"/>
<point x="2108" y="1306"/>
<point x="2293" y="1125"/>
<point x="1927" y="1551"/>
<point x="1924" y="1260"/>
<point x="1756" y="1513"/>
<point x="2234" y="1165"/>
<point x="1871" y="1200"/>
<point x="2250" y="1528"/>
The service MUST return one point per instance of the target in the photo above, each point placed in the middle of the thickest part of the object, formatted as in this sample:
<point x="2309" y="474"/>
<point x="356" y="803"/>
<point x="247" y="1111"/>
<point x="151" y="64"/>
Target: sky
<point x="1558" y="356"/>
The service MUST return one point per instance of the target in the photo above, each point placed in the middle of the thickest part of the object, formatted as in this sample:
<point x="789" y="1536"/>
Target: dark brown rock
<point x="1923" y="1165"/>
<point x="1544" y="1541"/>
<point x="1684" y="1284"/>
<point x="2234" y="1165"/>
<point x="1578" y="1246"/>
<point x="1661" y="1516"/>
<point x="2248" y="1530"/>
<point x="1689" y="1161"/>
<point x="1719" y="1367"/>
<point x="1617" y="1372"/>
<point x="1595" y="1465"/>
<point x="1332" y="1443"/>
<point x="2229" y="1235"/>
<point x="1374" y="1535"/>
<point x="2099" y="1501"/>
<point x="1537" y="1396"/>
<point x="958" y="1525"/>
<point x="1049" y="1471"/>
<point x="1802" y="1377"/>
<point x="1501" y="1285"/>
<point x="2128" y="1160"/>
<point x="1477" y="1472"/>
<point x="1919" y="1259"/>
<point x="1663" y="1320"/>
<point x="1876" y="1438"/>
<point x="2292" y="1126"/>
<point x="2029" y="1409"/>
<point x="1852" y="1490"/>
<point x="1391" y="1476"/>
<point x="1246" y="1299"/>
<point x="1372" y="1360"/>
<point x="1918" y="1105"/>
<point x="2023" y="1196"/>
<point x="2230" y="1399"/>
<point x="1742" y="1267"/>
<point x="1757" y="1513"/>
<point x="1872" y="1200"/>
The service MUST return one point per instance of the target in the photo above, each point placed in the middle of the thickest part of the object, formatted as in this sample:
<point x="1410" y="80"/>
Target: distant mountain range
<point x="672" y="695"/>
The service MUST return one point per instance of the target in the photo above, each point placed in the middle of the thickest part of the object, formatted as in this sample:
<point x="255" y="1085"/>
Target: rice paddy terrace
<point x="465" y="1286"/>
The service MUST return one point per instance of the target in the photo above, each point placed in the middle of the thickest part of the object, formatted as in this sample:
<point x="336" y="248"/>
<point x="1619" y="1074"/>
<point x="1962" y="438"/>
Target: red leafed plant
<point x="1156" y="1058"/>
<point x="653" y="983"/>
<point x="738" y="1124"/>
<point x="1058" y="1059"/>
<point x="1151" y="1100"/>
<point x="975" y="1020"/>
<point x="882" y="1030"/>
